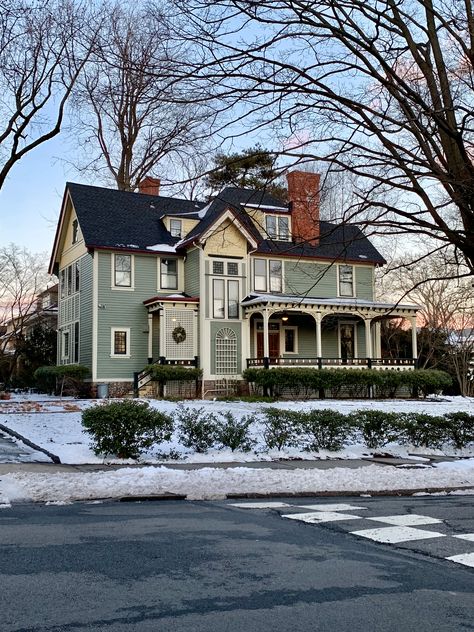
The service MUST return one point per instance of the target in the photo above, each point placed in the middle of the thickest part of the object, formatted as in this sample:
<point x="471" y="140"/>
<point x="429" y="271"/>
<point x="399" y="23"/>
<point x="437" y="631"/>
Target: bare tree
<point x="23" y="276"/>
<point x="130" y="120"/>
<point x="44" y="45"/>
<point x="384" y="90"/>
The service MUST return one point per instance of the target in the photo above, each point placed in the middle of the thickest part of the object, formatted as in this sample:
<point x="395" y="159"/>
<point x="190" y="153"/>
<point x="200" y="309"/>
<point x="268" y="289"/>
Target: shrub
<point x="281" y="428"/>
<point x="378" y="427"/>
<point x="427" y="381"/>
<point x="234" y="433"/>
<point x="423" y="430"/>
<point x="326" y="429"/>
<point x="460" y="428"/>
<point x="197" y="429"/>
<point x="126" y="428"/>
<point x="68" y="377"/>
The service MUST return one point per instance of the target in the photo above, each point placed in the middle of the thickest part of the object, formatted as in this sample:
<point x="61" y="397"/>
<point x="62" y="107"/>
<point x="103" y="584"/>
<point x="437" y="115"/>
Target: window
<point x="232" y="299"/>
<point x="76" y="276"/>
<point x="275" y="276"/>
<point x="176" y="228"/>
<point x="260" y="275"/>
<point x="346" y="281"/>
<point x="120" y="342"/>
<point x="217" y="267"/>
<point x="218" y="289"/>
<point x="69" y="280"/>
<point x="226" y="352"/>
<point x="75" y="228"/>
<point x="169" y="274"/>
<point x="274" y="270"/>
<point x="65" y="345"/>
<point x="277" y="227"/>
<point x="123" y="270"/>
<point x="289" y="340"/>
<point x="62" y="283"/>
<point x="232" y="268"/>
<point x="76" y="343"/>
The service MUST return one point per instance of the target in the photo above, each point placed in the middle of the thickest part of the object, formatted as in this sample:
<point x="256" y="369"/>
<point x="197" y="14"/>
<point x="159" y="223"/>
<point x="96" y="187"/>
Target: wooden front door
<point x="273" y="344"/>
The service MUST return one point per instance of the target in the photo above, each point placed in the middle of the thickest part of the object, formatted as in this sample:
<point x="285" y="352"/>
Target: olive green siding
<point x="191" y="273"/>
<point x="360" y="336"/>
<point x="364" y="282"/>
<point x="123" y="308"/>
<point x="85" y="306"/>
<point x="309" y="279"/>
<point x="237" y="328"/>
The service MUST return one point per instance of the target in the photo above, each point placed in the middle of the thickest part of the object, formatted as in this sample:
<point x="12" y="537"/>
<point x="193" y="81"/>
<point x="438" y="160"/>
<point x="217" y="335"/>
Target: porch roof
<point x="156" y="302"/>
<point x="327" y="305"/>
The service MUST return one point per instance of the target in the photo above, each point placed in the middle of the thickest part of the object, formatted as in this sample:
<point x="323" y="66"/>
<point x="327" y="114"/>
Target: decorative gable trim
<point x="230" y="215"/>
<point x="59" y="231"/>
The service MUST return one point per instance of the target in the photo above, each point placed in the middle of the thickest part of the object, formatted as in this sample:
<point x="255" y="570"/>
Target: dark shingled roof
<point x="112" y="218"/>
<point x="346" y="242"/>
<point x="120" y="219"/>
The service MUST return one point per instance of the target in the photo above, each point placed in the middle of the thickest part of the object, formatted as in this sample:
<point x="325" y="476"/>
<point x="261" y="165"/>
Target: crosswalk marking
<point x="332" y="507"/>
<point x="321" y="516"/>
<point x="467" y="559"/>
<point x="408" y="520"/>
<point x="465" y="536"/>
<point x="394" y="535"/>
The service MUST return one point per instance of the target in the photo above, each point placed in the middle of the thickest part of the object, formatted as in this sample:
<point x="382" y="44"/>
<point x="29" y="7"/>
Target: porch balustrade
<point x="366" y="363"/>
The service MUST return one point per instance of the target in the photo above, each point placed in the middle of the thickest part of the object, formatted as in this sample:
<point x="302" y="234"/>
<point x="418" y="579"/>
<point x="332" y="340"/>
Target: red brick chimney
<point x="149" y="186"/>
<point x="303" y="194"/>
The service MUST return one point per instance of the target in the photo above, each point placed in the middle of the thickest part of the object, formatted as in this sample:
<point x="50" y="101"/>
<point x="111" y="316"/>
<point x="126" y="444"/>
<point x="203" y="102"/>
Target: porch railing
<point x="320" y="363"/>
<point x="142" y="378"/>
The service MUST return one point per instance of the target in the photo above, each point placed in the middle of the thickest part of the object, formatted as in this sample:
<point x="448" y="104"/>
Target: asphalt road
<point x="209" y="566"/>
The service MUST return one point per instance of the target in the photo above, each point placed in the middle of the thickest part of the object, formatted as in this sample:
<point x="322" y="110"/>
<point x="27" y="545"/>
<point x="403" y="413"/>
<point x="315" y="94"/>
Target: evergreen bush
<point x="234" y="433"/>
<point x="126" y="428"/>
<point x="421" y="429"/>
<point x="197" y="429"/>
<point x="460" y="428"/>
<point x="378" y="427"/>
<point x="282" y="428"/>
<point x="325" y="429"/>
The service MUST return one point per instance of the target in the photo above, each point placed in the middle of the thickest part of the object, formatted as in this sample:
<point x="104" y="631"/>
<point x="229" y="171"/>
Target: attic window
<point x="176" y="228"/>
<point x="277" y="227"/>
<point x="75" y="230"/>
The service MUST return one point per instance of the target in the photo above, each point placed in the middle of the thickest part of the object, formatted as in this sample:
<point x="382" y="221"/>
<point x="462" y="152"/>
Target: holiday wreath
<point x="179" y="334"/>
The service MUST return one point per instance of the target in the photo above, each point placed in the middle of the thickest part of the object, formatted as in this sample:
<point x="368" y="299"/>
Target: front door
<point x="347" y="342"/>
<point x="273" y="341"/>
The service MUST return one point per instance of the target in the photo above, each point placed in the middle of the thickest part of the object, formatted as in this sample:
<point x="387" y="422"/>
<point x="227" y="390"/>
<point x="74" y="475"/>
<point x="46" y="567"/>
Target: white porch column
<point x="414" y="345"/>
<point x="319" y="348"/>
<point x="378" y="339"/>
<point x="368" y="338"/>
<point x="150" y="337"/>
<point x="266" y="344"/>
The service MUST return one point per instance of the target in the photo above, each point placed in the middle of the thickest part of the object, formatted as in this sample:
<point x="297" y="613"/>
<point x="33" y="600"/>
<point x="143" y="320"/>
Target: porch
<point x="290" y="331"/>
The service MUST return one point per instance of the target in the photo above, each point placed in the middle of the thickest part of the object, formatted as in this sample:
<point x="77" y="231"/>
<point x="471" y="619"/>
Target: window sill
<point x="125" y="357"/>
<point x="122" y="288"/>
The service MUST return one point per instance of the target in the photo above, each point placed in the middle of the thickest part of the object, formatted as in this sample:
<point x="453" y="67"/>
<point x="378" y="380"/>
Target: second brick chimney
<point x="303" y="194"/>
<point x="149" y="186"/>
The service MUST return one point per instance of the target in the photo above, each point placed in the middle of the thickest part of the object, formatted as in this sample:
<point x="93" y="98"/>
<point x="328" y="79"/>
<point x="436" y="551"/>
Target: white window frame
<point x="284" y="328"/>
<point x="173" y="230"/>
<point x="268" y="289"/>
<point x="354" y="325"/>
<point x="339" y="267"/>
<point x="278" y="217"/>
<point x="127" y="342"/>
<point x="161" y="286"/>
<point x="123" y="288"/>
<point x="65" y="352"/>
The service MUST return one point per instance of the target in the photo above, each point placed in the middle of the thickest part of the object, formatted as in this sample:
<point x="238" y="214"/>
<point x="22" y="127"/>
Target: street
<point x="212" y="566"/>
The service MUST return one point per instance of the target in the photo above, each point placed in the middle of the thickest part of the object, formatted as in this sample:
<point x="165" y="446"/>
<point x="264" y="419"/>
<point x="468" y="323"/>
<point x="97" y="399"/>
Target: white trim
<point x="179" y="274"/>
<point x="66" y="357"/>
<point x="122" y="288"/>
<point x="112" y="342"/>
<point x="347" y="265"/>
<point x="277" y="217"/>
<point x="95" y="311"/>
<point x="354" y="325"/>
<point x="228" y="215"/>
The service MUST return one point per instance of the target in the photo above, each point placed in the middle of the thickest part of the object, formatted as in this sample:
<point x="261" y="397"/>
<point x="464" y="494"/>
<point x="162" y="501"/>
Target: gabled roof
<point x="120" y="219"/>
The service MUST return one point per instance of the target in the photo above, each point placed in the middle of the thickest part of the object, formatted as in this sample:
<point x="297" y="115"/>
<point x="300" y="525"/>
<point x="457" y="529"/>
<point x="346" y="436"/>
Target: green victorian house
<point x="242" y="281"/>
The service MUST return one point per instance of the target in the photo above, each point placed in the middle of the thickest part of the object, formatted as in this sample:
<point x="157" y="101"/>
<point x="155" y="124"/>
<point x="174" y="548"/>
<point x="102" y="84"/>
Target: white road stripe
<point x="321" y="516"/>
<point x="406" y="520"/>
<point x="393" y="535"/>
<point x="465" y="558"/>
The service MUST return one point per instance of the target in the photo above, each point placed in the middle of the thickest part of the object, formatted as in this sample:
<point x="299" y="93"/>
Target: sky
<point x="31" y="198"/>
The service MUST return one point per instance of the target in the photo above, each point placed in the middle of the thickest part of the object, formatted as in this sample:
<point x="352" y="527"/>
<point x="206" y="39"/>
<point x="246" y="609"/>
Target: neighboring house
<point x="43" y="311"/>
<point x="244" y="280"/>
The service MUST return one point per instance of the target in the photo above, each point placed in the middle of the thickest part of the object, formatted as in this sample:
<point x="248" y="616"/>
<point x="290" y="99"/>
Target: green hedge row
<point x="56" y="378"/>
<point x="304" y="382"/>
<point x="331" y="430"/>
<point x="167" y="373"/>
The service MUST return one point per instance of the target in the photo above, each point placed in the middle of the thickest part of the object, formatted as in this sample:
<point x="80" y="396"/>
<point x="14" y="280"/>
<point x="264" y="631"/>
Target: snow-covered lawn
<point x="56" y="426"/>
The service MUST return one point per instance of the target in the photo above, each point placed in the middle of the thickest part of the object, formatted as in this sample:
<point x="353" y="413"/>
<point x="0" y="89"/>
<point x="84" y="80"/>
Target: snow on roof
<point x="266" y="207"/>
<point x="162" y="248"/>
<point x="255" y="299"/>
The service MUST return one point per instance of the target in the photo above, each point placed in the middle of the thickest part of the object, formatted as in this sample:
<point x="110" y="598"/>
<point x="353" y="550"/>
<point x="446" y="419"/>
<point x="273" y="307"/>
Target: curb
<point x="329" y="494"/>
<point x="54" y="458"/>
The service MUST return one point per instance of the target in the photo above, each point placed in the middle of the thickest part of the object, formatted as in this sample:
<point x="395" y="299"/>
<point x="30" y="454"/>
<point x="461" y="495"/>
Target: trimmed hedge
<point x="303" y="382"/>
<point x="167" y="373"/>
<point x="56" y="378"/>
<point x="126" y="428"/>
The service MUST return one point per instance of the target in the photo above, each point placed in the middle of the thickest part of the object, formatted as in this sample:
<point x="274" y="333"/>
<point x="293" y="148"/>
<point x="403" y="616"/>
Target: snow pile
<point x="216" y="483"/>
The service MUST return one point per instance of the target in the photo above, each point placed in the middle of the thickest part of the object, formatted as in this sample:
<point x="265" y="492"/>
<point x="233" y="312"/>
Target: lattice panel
<point x="179" y="318"/>
<point x="226" y="352"/>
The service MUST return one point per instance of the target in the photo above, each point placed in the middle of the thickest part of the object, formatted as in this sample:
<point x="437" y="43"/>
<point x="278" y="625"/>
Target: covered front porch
<point x="322" y="333"/>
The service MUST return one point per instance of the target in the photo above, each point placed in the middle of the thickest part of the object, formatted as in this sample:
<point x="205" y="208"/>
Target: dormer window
<point x="277" y="227"/>
<point x="176" y="228"/>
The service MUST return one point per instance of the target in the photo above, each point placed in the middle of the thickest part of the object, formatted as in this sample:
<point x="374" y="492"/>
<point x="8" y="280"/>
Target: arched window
<point x="226" y="352"/>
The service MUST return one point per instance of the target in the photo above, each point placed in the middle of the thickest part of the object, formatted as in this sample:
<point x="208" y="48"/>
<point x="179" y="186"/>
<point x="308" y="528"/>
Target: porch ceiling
<point x="272" y="303"/>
